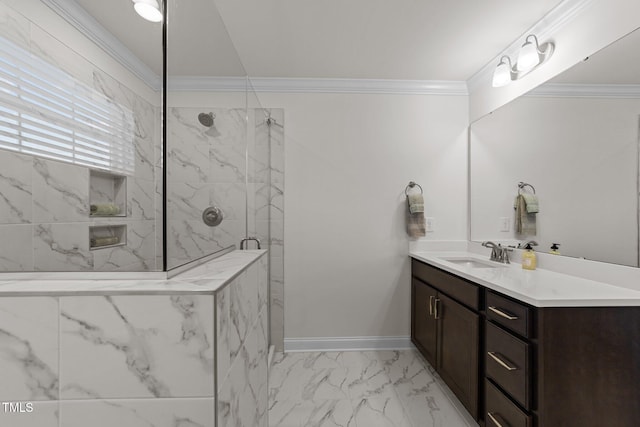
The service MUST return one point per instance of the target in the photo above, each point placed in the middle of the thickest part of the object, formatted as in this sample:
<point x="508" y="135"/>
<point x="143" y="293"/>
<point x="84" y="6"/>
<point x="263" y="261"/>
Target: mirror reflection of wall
<point x="578" y="145"/>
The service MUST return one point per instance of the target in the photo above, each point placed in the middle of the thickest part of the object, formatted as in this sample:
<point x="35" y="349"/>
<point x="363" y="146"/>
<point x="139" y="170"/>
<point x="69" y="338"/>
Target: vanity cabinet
<point x="513" y="364"/>
<point x="446" y="332"/>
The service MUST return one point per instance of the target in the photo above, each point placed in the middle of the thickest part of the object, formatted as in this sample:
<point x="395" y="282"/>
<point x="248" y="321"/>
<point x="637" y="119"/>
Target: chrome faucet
<point x="530" y="242"/>
<point x="494" y="250"/>
<point x="498" y="252"/>
<point x="247" y="239"/>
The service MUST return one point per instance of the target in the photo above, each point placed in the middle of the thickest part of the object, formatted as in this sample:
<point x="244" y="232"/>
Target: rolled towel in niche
<point x="96" y="242"/>
<point x="104" y="209"/>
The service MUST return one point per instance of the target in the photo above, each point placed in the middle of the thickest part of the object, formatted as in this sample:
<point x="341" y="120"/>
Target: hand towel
<point x="525" y="223"/>
<point x="531" y="201"/>
<point x="416" y="226"/>
<point x="416" y="203"/>
<point x="104" y="209"/>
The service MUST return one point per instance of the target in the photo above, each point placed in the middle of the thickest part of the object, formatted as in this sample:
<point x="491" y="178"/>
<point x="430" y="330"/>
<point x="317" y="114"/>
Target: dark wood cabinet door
<point x="458" y="336"/>
<point x="423" y="323"/>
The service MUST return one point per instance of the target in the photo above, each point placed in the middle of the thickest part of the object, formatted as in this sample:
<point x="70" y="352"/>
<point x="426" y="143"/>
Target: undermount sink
<point x="471" y="263"/>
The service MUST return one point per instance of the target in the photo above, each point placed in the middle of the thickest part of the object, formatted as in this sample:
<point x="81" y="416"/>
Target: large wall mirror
<point x="80" y="146"/>
<point x="575" y="140"/>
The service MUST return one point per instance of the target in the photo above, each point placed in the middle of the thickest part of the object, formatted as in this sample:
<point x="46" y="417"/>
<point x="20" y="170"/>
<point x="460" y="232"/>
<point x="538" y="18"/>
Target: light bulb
<point x="148" y="9"/>
<point x="528" y="57"/>
<point x="502" y="73"/>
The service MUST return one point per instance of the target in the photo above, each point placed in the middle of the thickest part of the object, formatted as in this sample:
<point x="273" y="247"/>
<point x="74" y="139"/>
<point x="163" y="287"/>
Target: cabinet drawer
<point x="507" y="363"/>
<point x="465" y="292"/>
<point x="510" y="314"/>
<point x="502" y="412"/>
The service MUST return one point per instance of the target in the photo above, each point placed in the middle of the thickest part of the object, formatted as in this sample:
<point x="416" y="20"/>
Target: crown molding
<point x="570" y="90"/>
<point x="308" y="85"/>
<point x="544" y="29"/>
<point x="86" y="24"/>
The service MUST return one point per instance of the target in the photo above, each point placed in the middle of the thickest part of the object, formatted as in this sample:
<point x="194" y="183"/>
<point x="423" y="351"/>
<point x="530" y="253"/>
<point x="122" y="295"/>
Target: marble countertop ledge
<point x="539" y="288"/>
<point x="203" y="279"/>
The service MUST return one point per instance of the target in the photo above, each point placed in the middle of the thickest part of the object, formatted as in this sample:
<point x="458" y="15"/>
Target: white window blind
<point x="47" y="113"/>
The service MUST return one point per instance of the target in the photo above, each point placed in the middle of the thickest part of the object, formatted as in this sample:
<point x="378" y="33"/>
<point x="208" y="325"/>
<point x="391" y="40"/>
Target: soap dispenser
<point x="529" y="258"/>
<point x="555" y="249"/>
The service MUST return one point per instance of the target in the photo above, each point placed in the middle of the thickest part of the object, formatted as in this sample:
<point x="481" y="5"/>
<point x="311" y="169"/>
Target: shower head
<point x="206" y="119"/>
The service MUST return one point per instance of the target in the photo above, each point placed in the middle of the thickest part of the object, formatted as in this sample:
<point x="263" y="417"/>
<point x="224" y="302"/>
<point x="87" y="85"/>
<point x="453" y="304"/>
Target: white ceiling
<point x="368" y="39"/>
<point x="375" y="39"/>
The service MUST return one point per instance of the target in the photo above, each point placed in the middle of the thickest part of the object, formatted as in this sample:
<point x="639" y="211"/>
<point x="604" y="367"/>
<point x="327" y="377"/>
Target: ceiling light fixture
<point x="148" y="9"/>
<point x="531" y="55"/>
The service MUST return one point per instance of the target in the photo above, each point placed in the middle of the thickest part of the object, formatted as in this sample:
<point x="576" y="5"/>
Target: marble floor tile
<point x="317" y="413"/>
<point x="369" y="381"/>
<point x="360" y="389"/>
<point x="380" y="412"/>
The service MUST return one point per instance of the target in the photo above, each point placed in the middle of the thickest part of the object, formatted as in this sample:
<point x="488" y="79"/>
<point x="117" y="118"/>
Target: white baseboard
<point x="347" y="343"/>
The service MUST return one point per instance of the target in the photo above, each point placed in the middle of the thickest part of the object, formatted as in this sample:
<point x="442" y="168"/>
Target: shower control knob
<point x="212" y="216"/>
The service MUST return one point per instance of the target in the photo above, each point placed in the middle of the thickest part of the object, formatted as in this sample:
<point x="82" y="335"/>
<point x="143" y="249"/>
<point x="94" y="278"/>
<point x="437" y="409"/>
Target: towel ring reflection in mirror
<point x="521" y="186"/>
<point x="410" y="186"/>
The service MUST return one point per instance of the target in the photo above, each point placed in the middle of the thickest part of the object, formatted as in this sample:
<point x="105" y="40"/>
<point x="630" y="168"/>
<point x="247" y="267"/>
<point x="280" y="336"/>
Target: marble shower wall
<point x="205" y="167"/>
<point x="210" y="167"/>
<point x="44" y="204"/>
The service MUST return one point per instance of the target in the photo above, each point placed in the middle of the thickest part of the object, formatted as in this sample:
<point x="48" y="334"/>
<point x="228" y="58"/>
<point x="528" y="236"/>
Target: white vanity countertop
<point x="540" y="288"/>
<point x="205" y="278"/>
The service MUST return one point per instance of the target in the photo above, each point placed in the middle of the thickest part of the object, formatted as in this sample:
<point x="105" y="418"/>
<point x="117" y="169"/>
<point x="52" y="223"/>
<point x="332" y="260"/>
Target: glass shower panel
<point x="266" y="186"/>
<point x="206" y="134"/>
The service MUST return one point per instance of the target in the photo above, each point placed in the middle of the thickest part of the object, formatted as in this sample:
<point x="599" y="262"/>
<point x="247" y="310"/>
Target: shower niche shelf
<point x="107" y="236"/>
<point x="107" y="194"/>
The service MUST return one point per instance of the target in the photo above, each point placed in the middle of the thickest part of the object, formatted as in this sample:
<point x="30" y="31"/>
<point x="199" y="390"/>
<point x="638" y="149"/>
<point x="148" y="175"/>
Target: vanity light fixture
<point x="531" y="55"/>
<point x="504" y="73"/>
<point x="148" y="9"/>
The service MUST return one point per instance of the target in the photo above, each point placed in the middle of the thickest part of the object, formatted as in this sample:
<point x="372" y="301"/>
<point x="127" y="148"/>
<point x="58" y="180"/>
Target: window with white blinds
<point x="47" y="113"/>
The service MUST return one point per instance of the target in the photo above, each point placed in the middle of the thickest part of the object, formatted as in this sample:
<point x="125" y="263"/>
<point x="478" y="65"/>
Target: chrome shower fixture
<point x="206" y="119"/>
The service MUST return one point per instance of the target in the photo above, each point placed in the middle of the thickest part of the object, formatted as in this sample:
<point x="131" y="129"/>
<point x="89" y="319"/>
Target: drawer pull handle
<point x="503" y="313"/>
<point x="436" y="309"/>
<point x="431" y="297"/>
<point x="501" y="362"/>
<point x="493" y="418"/>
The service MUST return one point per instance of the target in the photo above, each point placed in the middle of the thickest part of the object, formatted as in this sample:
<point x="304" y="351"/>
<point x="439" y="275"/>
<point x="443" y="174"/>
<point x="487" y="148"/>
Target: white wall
<point x="348" y="160"/>
<point x="581" y="155"/>
<point x="603" y="22"/>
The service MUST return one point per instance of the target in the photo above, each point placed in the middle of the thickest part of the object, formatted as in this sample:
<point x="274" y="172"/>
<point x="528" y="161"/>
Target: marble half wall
<point x="138" y="360"/>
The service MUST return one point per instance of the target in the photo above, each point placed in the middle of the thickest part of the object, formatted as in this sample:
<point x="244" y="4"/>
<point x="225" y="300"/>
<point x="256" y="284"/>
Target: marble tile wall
<point x="135" y="360"/>
<point x="44" y="204"/>
<point x="205" y="167"/>
<point x="138" y="360"/>
<point x="208" y="166"/>
<point x="242" y="324"/>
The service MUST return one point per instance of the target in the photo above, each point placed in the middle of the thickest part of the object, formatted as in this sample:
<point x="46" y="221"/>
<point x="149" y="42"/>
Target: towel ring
<point x="521" y="186"/>
<point x="410" y="186"/>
